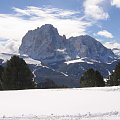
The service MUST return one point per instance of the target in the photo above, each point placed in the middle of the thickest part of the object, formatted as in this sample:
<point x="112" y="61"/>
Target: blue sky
<point x="97" y="18"/>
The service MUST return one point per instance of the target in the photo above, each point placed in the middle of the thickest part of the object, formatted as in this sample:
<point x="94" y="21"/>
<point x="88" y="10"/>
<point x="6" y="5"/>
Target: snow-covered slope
<point x="61" y="104"/>
<point x="47" y="45"/>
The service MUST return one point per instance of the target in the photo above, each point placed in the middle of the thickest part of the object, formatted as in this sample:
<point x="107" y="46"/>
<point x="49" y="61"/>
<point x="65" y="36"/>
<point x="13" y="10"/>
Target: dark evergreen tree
<point x="114" y="78"/>
<point x="48" y="84"/>
<point x="1" y="72"/>
<point x="17" y="75"/>
<point x="87" y="80"/>
<point x="92" y="78"/>
<point x="99" y="81"/>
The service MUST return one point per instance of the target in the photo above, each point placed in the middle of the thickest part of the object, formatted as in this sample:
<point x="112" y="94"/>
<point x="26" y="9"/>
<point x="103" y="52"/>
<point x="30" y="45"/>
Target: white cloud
<point x="94" y="9"/>
<point x="114" y="46"/>
<point x="14" y="26"/>
<point x="105" y="33"/>
<point x="11" y="46"/>
<point x="115" y="3"/>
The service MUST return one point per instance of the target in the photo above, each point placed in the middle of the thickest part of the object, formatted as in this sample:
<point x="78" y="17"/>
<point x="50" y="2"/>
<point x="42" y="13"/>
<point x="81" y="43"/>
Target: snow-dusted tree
<point x="17" y="75"/>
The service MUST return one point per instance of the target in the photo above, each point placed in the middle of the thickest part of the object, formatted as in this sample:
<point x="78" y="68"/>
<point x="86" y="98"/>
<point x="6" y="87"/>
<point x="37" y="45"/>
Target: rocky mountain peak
<point x="86" y="46"/>
<point x="48" y="28"/>
<point x="42" y="43"/>
<point x="47" y="45"/>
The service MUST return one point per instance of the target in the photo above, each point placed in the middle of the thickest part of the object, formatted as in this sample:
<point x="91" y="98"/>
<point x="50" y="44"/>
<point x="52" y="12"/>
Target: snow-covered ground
<point x="61" y="104"/>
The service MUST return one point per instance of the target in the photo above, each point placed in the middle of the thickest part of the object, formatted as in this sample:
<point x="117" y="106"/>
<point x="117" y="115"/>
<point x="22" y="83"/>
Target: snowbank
<point x="88" y="102"/>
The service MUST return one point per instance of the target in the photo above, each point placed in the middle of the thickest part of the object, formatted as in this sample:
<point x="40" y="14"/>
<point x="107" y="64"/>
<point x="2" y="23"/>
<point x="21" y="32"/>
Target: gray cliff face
<point x="87" y="47"/>
<point x="47" y="45"/>
<point x="42" y="43"/>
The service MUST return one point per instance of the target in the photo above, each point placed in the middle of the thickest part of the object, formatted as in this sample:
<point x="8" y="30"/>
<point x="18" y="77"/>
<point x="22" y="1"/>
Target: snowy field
<point x="61" y="104"/>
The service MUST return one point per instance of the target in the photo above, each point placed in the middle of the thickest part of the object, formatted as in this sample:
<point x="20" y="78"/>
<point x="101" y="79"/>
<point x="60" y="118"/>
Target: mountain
<point x="65" y="60"/>
<point x="45" y="44"/>
<point x="52" y="56"/>
<point x="89" y="48"/>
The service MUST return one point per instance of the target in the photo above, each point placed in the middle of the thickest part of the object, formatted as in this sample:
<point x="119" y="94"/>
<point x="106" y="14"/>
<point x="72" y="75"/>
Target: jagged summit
<point x="47" y="45"/>
<point x="42" y="43"/>
<point x="48" y="28"/>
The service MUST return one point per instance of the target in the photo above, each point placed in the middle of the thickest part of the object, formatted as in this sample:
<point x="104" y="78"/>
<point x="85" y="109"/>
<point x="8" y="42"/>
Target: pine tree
<point x="114" y="78"/>
<point x="47" y="84"/>
<point x="17" y="75"/>
<point x="99" y="81"/>
<point x="92" y="78"/>
<point x="87" y="80"/>
<point x="1" y="72"/>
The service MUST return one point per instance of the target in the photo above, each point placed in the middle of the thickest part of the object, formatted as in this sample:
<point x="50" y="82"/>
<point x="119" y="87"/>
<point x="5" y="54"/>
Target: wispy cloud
<point x="95" y="10"/>
<point x="14" y="26"/>
<point x="66" y="21"/>
<point x="105" y="33"/>
<point x="45" y="12"/>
